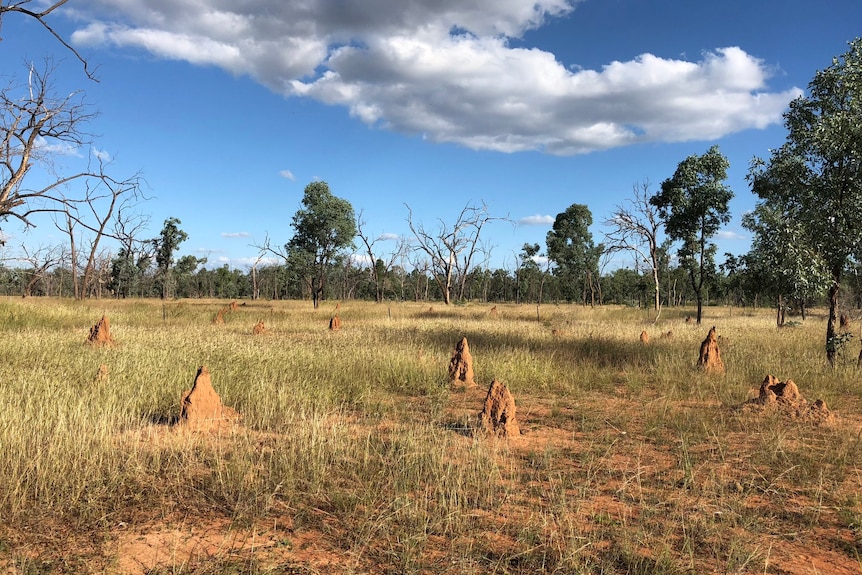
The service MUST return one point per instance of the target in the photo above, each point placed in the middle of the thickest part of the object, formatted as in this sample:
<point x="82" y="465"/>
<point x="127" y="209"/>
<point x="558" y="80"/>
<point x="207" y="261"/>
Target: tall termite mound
<point x="498" y="414"/>
<point x="710" y="356"/>
<point x="461" y="364"/>
<point x="201" y="407"/>
<point x="100" y="334"/>
<point x="335" y="323"/>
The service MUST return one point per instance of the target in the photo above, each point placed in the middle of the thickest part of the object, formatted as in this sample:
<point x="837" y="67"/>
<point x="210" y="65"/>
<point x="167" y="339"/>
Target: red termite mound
<point x="785" y="397"/>
<point x="461" y="364"/>
<point x="335" y="323"/>
<point x="498" y="414"/>
<point x="100" y="334"/>
<point x="710" y="356"/>
<point x="201" y="407"/>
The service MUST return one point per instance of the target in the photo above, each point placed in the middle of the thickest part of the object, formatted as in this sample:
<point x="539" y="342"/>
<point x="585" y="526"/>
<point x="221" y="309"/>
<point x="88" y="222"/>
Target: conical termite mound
<point x="498" y="414"/>
<point x="461" y="365"/>
<point x="493" y="312"/>
<point x="259" y="328"/>
<point x="710" y="356"/>
<point x="335" y="323"/>
<point x="219" y="317"/>
<point x="644" y="337"/>
<point x="233" y="305"/>
<point x="201" y="408"/>
<point x="100" y="334"/>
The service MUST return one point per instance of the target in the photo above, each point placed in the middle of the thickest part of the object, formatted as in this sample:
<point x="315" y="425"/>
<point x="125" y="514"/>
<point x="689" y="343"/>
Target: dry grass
<point x="354" y="456"/>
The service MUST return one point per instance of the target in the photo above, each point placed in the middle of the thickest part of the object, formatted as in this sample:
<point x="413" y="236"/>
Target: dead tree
<point x="34" y="124"/>
<point x="379" y="267"/>
<point x="451" y="249"/>
<point x="634" y="227"/>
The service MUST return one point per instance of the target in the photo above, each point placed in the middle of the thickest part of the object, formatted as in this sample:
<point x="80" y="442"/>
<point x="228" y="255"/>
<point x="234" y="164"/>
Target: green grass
<point x="632" y="461"/>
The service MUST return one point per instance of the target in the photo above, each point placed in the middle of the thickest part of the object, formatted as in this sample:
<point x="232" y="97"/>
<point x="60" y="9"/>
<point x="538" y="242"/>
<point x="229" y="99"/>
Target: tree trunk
<point x="779" y="312"/>
<point x="833" y="318"/>
<point x="699" y="308"/>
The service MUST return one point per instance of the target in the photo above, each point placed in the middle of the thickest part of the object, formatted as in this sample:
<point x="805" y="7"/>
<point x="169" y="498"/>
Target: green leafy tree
<point x="529" y="274"/>
<point x="693" y="204"/>
<point x="571" y="248"/>
<point x="815" y="177"/>
<point x="165" y="245"/>
<point x="781" y="263"/>
<point x="324" y="227"/>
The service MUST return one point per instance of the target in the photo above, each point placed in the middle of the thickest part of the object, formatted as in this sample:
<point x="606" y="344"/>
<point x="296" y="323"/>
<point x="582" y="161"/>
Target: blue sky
<point x="229" y="109"/>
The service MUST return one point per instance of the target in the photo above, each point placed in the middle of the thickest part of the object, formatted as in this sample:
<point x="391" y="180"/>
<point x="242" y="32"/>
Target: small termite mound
<point x="494" y="312"/>
<point x="219" y="317"/>
<point x="710" y="356"/>
<point x="233" y="305"/>
<point x="498" y="414"/>
<point x="201" y="408"/>
<point x="666" y="335"/>
<point x="259" y="328"/>
<point x="100" y="334"/>
<point x="644" y="337"/>
<point x="335" y="323"/>
<point x="785" y="397"/>
<point x="461" y="365"/>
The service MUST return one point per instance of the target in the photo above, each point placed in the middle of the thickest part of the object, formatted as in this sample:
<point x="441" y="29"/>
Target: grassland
<point x="355" y="456"/>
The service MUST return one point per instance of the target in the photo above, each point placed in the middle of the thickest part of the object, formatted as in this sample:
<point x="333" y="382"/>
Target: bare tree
<point x="634" y="227"/>
<point x="20" y="7"/>
<point x="379" y="272"/>
<point x="105" y="201"/>
<point x="40" y="260"/>
<point x="452" y="249"/>
<point x="36" y="126"/>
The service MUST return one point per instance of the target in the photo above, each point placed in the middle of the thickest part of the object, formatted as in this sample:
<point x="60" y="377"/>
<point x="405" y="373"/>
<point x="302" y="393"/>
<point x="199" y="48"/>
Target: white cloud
<point x="56" y="148"/>
<point x="288" y="175"/>
<point x="537" y="220"/>
<point x="730" y="235"/>
<point x="235" y="234"/>
<point x="387" y="237"/>
<point x="400" y="66"/>
<point x="101" y="155"/>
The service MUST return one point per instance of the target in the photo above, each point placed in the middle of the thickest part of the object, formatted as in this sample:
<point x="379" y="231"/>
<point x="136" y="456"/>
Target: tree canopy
<point x="323" y="228"/>
<point x="571" y="248"/>
<point x="693" y="204"/>
<point x="815" y="177"/>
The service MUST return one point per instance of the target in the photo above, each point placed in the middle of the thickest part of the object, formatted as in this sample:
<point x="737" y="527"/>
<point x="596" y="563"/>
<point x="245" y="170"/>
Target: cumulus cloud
<point x="235" y="234"/>
<point x="537" y="220"/>
<point x="445" y="69"/>
<point x="287" y="174"/>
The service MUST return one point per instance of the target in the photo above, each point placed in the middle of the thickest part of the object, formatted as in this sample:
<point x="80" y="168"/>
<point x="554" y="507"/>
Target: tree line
<point x="806" y="226"/>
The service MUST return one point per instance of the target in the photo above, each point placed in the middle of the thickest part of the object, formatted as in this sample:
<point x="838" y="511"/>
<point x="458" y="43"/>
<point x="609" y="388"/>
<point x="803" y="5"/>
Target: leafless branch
<point x="41" y="17"/>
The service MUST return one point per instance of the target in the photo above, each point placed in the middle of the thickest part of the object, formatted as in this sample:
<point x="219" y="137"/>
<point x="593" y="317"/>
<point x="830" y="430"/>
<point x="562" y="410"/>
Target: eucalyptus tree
<point x="165" y="245"/>
<point x="693" y="204"/>
<point x="782" y="263"/>
<point x="324" y="228"/>
<point x="815" y="177"/>
<point x="575" y="255"/>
